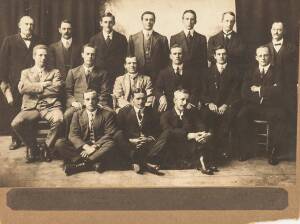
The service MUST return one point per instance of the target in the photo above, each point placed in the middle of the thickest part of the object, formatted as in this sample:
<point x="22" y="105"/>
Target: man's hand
<point x="202" y="137"/>
<point x="255" y="88"/>
<point x="46" y="83"/>
<point x="162" y="104"/>
<point x="9" y="97"/>
<point x="213" y="107"/>
<point x="88" y="150"/>
<point x="77" y="105"/>
<point x="222" y="109"/>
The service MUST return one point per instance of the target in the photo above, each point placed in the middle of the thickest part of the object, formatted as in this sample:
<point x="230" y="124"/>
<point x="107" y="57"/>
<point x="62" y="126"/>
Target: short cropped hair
<point x="218" y="47"/>
<point x="108" y="14"/>
<point x="23" y="17"/>
<point x="277" y="21"/>
<point x="87" y="45"/>
<point x="263" y="46"/>
<point x="229" y="13"/>
<point x="178" y="91"/>
<point x="139" y="90"/>
<point x="66" y="21"/>
<point x="190" y="11"/>
<point x="90" y="91"/>
<point x="39" y="46"/>
<point x="175" y="46"/>
<point x="148" y="13"/>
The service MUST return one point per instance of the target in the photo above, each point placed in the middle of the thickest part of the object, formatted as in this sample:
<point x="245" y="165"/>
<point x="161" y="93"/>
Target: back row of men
<point x="216" y="90"/>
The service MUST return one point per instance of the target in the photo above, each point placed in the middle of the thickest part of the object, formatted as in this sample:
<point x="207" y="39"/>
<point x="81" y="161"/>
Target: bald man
<point x="15" y="56"/>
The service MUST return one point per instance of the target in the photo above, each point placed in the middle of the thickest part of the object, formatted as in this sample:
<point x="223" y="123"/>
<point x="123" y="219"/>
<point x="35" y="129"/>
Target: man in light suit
<point x="40" y="87"/>
<point x="150" y="48"/>
<point x="90" y="142"/>
<point x="81" y="78"/>
<point x="284" y="56"/>
<point x="126" y="84"/>
<point x="15" y="56"/>
<point x="65" y="53"/>
<point x="111" y="48"/>
<point x="194" y="44"/>
<point x="230" y="39"/>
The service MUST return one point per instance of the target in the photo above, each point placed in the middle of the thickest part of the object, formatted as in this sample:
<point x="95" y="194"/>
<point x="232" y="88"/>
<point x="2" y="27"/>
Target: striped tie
<point x="92" y="133"/>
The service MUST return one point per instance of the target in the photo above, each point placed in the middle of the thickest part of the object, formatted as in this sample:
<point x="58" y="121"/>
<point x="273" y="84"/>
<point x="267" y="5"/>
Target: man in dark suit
<point x="176" y="76"/>
<point x="261" y="92"/>
<point x="150" y="48"/>
<point x="111" y="48"/>
<point x="140" y="127"/>
<point x="285" y="57"/>
<point x="40" y="87"/>
<point x="194" y="44"/>
<point x="228" y="38"/>
<point x="16" y="55"/>
<point x="184" y="139"/>
<point x="81" y="78"/>
<point x="65" y="53"/>
<point x="220" y="94"/>
<point x="90" y="142"/>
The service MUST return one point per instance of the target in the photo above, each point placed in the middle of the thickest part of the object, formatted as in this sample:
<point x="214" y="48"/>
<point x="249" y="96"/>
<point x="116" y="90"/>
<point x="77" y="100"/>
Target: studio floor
<point x="15" y="172"/>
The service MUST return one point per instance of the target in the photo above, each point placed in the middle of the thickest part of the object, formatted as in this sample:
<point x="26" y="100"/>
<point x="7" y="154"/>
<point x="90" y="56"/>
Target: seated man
<point x="184" y="137"/>
<point x="220" y="95"/>
<point x="126" y="84"/>
<point x="40" y="88"/>
<point x="90" y="139"/>
<point x="140" y="127"/>
<point x="81" y="78"/>
<point x="176" y="76"/>
<point x="261" y="93"/>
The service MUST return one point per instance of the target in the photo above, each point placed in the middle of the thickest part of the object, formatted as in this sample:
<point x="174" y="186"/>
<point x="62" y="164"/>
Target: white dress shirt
<point x="27" y="42"/>
<point x="175" y="67"/>
<point x="66" y="43"/>
<point x="91" y="115"/>
<point x="264" y="69"/>
<point x="147" y="33"/>
<point x="277" y="44"/>
<point x="106" y="35"/>
<point x="187" y="31"/>
<point x="221" y="67"/>
<point x="88" y="70"/>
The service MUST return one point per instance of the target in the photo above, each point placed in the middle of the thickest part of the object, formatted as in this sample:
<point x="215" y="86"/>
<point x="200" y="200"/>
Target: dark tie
<point x="177" y="72"/>
<point x="140" y="116"/>
<point x="189" y="39"/>
<point x="108" y="41"/>
<point x="92" y="133"/>
<point x="226" y="39"/>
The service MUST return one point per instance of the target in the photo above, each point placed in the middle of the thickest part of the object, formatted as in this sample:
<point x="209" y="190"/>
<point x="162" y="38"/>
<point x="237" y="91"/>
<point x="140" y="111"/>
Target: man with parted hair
<point x="16" y="55"/>
<point x="111" y="48"/>
<point x="194" y="44"/>
<point x="229" y="39"/>
<point x="65" y="53"/>
<point x="150" y="48"/>
<point x="40" y="87"/>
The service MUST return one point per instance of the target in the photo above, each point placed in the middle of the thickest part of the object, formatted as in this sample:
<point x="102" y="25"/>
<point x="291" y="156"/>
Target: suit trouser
<point x="24" y="123"/>
<point x="68" y="115"/>
<point x="14" y="110"/>
<point x="275" y="117"/>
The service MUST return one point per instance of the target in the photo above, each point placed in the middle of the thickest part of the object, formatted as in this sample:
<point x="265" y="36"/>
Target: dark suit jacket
<point x="77" y="83"/>
<point x="110" y="58"/>
<point x="223" y="90"/>
<point x="196" y="56"/>
<point x="270" y="87"/>
<point x="166" y="84"/>
<point x="159" y="52"/>
<point x="190" y="122"/>
<point x="15" y="57"/>
<point x="104" y="127"/>
<point x="128" y="123"/>
<point x="57" y="60"/>
<point x="235" y="48"/>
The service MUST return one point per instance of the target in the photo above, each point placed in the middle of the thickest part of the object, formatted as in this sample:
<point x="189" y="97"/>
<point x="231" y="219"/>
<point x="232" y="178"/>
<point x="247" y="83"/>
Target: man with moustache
<point x="194" y="44"/>
<point x="111" y="48"/>
<point x="16" y="55"/>
<point x="150" y="48"/>
<point x="65" y="53"/>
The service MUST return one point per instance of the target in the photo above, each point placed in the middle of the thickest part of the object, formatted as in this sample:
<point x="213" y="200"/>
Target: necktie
<point x="108" y="41"/>
<point x="67" y="44"/>
<point x="177" y="71"/>
<point x="140" y="116"/>
<point x="92" y="133"/>
<point x="88" y="75"/>
<point x="180" y="116"/>
<point x="189" y="39"/>
<point x="226" y="39"/>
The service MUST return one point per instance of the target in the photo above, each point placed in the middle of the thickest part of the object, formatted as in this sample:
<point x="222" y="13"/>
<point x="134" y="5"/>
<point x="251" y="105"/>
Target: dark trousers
<point x="14" y="110"/>
<point x="274" y="115"/>
<point x="68" y="115"/>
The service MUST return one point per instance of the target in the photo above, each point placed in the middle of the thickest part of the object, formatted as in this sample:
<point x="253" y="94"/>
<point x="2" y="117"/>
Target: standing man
<point x="194" y="44"/>
<point x="229" y="39"/>
<point x="261" y="93"/>
<point x="40" y="87"/>
<point x="177" y="76"/>
<point x="65" y="54"/>
<point x="220" y="95"/>
<point x="285" y="57"/>
<point x="16" y="55"/>
<point x="84" y="77"/>
<point x="150" y="48"/>
<point x="111" y="48"/>
<point x="90" y="139"/>
<point x="126" y="84"/>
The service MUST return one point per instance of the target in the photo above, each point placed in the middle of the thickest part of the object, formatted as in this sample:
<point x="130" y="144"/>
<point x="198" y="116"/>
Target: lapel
<point x="140" y="45"/>
<point x="60" y="51"/>
<point x="184" y="42"/>
<point x="84" y="124"/>
<point x="155" y="38"/>
<point x="126" y="86"/>
<point x="82" y="77"/>
<point x="171" y="78"/>
<point x="21" y="43"/>
<point x="97" y="120"/>
<point x="272" y="51"/>
<point x="194" y="42"/>
<point x="175" y="118"/>
<point x="34" y="77"/>
<point x="102" y="39"/>
<point x="133" y="118"/>
<point x="231" y="40"/>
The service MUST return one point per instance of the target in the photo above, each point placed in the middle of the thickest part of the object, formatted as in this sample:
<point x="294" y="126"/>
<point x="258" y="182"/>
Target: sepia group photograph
<point x="118" y="105"/>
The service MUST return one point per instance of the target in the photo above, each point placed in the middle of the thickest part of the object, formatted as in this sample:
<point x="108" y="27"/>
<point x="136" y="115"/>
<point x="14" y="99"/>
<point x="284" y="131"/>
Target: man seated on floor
<point x="261" y="93"/>
<point x="184" y="138"/>
<point x="90" y="143"/>
<point x="40" y="87"/>
<point x="81" y="78"/>
<point x="220" y="95"/>
<point x="126" y="84"/>
<point x="139" y="129"/>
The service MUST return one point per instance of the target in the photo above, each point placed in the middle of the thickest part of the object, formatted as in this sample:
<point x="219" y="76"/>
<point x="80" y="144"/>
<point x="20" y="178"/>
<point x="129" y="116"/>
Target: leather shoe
<point x="14" y="145"/>
<point x="214" y="168"/>
<point x="45" y="153"/>
<point x="98" y="167"/>
<point x="30" y="154"/>
<point x="137" y="168"/>
<point x="152" y="168"/>
<point x="206" y="171"/>
<point x="273" y="160"/>
<point x="73" y="168"/>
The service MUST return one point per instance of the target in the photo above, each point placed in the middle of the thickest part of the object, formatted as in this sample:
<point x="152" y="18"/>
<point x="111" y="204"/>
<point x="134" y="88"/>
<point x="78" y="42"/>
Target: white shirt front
<point x="175" y="67"/>
<point x="147" y="33"/>
<point x="66" y="43"/>
<point x="179" y="113"/>
<point x="187" y="31"/>
<point x="264" y="69"/>
<point x="106" y="35"/>
<point x="228" y="34"/>
<point x="91" y="115"/>
<point x="27" y="42"/>
<point x="137" y="112"/>
<point x="277" y="44"/>
<point x="221" y="67"/>
<point x="88" y="70"/>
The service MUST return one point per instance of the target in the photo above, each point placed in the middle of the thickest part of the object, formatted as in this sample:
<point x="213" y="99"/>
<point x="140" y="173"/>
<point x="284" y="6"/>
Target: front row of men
<point x="217" y="93"/>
